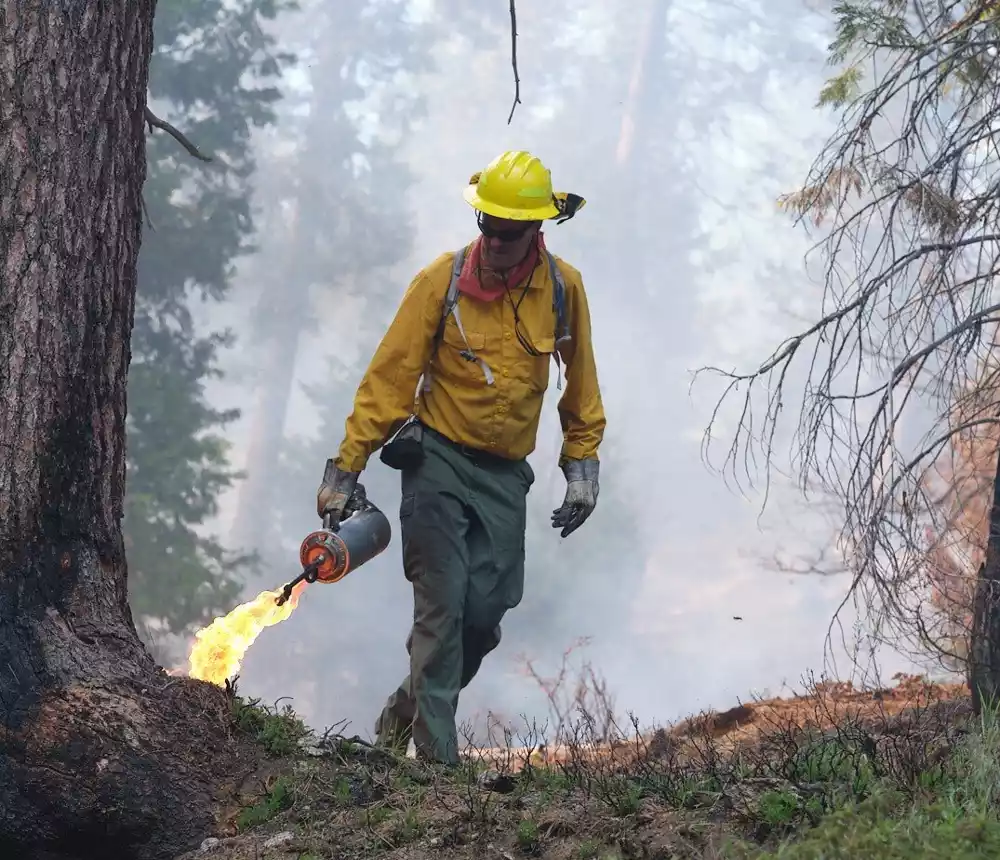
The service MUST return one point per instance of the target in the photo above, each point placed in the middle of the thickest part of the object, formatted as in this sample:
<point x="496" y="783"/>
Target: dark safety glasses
<point x="511" y="235"/>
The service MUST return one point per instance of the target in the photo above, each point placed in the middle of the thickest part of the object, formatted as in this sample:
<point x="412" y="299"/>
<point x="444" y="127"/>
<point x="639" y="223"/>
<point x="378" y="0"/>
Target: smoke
<point x="680" y="123"/>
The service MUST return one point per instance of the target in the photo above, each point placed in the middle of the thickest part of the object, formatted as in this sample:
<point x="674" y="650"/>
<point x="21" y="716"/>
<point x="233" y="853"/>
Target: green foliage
<point x="626" y="800"/>
<point x="408" y="827"/>
<point x="777" y="808"/>
<point x="528" y="839"/>
<point x="842" y="88"/>
<point x="549" y="782"/>
<point x="872" y="830"/>
<point x="277" y="799"/>
<point x="760" y="802"/>
<point x="689" y="792"/>
<point x="279" y="732"/>
<point x="957" y="820"/>
<point x="342" y="794"/>
<point x="868" y="25"/>
<point x="212" y="75"/>
<point x="861" y="28"/>
<point x="839" y="766"/>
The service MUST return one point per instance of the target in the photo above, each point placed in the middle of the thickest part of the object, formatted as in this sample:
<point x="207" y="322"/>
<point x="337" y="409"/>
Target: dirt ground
<point x="337" y="798"/>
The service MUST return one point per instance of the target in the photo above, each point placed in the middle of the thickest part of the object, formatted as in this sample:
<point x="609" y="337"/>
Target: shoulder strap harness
<point x="450" y="306"/>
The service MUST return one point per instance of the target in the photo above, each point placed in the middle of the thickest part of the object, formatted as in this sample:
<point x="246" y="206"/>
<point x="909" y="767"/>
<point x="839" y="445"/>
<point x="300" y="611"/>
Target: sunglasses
<point x="511" y="235"/>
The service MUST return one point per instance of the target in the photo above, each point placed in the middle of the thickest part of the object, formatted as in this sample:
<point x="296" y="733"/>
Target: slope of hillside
<point x="730" y="784"/>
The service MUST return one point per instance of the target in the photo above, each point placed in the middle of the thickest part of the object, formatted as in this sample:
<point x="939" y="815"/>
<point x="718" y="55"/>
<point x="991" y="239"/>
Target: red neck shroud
<point x="485" y="284"/>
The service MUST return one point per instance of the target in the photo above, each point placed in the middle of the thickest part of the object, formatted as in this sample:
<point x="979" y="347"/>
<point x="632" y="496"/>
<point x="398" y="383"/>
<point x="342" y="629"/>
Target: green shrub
<point x="276" y="800"/>
<point x="279" y="732"/>
<point x="958" y="822"/>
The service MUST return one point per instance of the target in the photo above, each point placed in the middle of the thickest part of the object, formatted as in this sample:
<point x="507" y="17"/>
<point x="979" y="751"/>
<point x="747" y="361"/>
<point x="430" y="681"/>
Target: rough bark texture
<point x="984" y="647"/>
<point x="97" y="755"/>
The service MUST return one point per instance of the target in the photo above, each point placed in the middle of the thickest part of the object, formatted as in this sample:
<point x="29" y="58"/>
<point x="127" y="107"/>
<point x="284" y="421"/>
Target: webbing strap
<point x="451" y="307"/>
<point x="559" y="305"/>
<point x="559" y="301"/>
<point x="467" y="353"/>
<point x="450" y="300"/>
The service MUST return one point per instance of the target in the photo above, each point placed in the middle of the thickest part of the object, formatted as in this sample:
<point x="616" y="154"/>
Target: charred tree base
<point x="101" y="753"/>
<point x="127" y="773"/>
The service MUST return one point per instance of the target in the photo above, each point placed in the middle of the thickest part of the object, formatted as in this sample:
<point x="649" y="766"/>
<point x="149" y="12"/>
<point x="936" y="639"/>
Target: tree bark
<point x="984" y="644"/>
<point x="98" y="752"/>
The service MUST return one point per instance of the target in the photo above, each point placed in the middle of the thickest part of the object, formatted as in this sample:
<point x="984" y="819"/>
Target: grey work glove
<point x="335" y="492"/>
<point x="581" y="495"/>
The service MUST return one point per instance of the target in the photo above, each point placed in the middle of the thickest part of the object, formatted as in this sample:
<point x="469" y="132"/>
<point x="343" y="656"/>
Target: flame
<point x="219" y="648"/>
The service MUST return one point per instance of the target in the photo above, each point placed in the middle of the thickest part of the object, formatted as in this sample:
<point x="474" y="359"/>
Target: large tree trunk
<point x="95" y="744"/>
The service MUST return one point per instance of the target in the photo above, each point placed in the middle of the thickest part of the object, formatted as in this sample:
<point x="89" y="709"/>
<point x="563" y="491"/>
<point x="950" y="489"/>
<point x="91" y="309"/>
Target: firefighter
<point x="452" y="397"/>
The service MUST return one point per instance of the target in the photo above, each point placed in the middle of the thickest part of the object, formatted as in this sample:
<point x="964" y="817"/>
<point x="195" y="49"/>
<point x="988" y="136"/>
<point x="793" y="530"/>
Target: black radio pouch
<point x="405" y="450"/>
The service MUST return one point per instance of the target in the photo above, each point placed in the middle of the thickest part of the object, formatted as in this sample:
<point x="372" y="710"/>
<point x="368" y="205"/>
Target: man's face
<point x="505" y="242"/>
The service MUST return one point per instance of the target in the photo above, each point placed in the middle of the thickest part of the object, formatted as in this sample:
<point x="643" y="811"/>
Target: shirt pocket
<point x="533" y="370"/>
<point x="454" y="360"/>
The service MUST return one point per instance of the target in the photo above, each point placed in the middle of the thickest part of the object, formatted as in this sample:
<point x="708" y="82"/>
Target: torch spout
<point x="308" y="575"/>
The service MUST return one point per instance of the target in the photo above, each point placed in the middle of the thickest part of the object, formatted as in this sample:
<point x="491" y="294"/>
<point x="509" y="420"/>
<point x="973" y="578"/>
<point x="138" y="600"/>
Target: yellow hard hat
<point x="516" y="186"/>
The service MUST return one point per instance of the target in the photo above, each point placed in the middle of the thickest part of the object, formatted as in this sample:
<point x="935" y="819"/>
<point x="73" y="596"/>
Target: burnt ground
<point x="729" y="784"/>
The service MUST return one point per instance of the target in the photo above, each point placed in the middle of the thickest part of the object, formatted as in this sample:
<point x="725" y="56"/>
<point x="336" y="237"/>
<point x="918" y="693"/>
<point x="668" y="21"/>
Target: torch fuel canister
<point x="330" y="553"/>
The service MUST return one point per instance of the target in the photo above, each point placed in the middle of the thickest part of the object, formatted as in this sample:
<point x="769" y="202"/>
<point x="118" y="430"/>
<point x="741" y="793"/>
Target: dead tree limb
<point x="513" y="61"/>
<point x="155" y="122"/>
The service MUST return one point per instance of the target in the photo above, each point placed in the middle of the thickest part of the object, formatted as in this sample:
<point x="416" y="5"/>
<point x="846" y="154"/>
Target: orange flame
<point x="219" y="648"/>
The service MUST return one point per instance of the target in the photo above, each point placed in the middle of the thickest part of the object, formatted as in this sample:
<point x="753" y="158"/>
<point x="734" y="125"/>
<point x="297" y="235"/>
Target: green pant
<point x="462" y="519"/>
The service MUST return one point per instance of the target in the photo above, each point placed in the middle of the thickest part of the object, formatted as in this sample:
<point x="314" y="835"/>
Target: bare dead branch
<point x="818" y="564"/>
<point x="155" y="122"/>
<point x="513" y="61"/>
<point x="910" y="187"/>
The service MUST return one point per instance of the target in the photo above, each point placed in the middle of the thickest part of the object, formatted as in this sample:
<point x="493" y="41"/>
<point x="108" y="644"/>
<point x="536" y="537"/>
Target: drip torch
<point x="330" y="553"/>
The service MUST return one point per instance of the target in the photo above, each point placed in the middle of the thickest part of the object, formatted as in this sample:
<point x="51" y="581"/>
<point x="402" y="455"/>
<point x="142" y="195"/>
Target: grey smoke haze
<point x="686" y="261"/>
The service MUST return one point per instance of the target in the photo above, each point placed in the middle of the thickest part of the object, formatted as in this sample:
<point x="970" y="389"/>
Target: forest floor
<point x="838" y="773"/>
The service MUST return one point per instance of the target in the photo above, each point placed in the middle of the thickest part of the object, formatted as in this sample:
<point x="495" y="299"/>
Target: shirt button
<point x="505" y="371"/>
<point x="506" y="335"/>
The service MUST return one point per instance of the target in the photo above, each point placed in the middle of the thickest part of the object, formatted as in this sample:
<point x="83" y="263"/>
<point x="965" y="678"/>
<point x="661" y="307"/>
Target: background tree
<point x="213" y="75"/>
<point x="331" y="235"/>
<point x="961" y="487"/>
<point x="97" y="747"/>
<point x="341" y="222"/>
<point x="657" y="236"/>
<point x="908" y="316"/>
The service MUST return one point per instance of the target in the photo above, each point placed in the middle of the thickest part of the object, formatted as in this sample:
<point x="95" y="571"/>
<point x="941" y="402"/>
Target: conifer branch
<point x="155" y="122"/>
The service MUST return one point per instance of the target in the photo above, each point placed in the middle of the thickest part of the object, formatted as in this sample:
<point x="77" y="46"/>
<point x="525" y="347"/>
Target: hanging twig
<point x="513" y="60"/>
<point x="145" y="211"/>
<point x="155" y="122"/>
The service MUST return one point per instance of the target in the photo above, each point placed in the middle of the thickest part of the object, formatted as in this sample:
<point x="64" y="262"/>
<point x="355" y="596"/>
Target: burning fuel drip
<point x="219" y="648"/>
<point x="327" y="555"/>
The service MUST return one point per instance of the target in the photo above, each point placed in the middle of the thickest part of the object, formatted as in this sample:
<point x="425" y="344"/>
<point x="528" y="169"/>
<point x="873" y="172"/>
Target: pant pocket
<point x="406" y="506"/>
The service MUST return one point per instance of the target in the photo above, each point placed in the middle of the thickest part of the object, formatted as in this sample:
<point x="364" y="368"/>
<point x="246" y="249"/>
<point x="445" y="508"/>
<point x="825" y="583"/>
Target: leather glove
<point x="581" y="495"/>
<point x="335" y="492"/>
